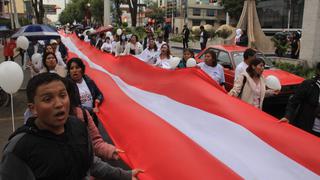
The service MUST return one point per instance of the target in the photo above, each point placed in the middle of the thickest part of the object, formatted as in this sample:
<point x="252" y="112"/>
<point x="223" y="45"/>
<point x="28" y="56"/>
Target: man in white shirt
<point x="248" y="56"/>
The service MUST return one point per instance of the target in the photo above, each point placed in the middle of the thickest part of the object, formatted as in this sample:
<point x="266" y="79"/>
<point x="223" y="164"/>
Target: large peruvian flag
<point x="179" y="125"/>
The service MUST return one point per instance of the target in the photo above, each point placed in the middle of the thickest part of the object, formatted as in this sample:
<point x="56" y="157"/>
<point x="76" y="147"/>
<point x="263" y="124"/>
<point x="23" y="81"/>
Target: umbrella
<point x="37" y="32"/>
<point x="103" y="29"/>
<point x="76" y="26"/>
<point x="4" y="31"/>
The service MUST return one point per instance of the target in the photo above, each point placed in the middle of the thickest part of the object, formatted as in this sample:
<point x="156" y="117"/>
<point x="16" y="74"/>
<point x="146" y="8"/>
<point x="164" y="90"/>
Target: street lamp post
<point x="106" y="12"/>
<point x="289" y="14"/>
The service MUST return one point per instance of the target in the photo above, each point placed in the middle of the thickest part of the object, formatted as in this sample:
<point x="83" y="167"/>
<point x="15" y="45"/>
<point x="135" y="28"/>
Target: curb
<point x="193" y="49"/>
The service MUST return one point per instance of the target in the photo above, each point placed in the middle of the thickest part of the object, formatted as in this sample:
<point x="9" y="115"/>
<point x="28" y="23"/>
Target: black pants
<point x="22" y="58"/>
<point x="185" y="43"/>
<point x="203" y="45"/>
<point x="7" y="57"/>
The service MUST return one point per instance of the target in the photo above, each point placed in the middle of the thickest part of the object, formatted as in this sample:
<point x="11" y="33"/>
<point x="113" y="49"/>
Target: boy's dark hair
<point x="41" y="79"/>
<point x="79" y="62"/>
<point x="249" y="53"/>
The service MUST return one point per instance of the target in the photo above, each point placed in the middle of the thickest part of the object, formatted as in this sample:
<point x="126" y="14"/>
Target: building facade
<point x="205" y="12"/>
<point x="194" y="12"/>
<point x="274" y="14"/>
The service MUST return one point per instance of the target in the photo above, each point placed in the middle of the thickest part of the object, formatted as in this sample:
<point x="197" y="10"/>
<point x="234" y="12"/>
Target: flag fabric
<point x="180" y="124"/>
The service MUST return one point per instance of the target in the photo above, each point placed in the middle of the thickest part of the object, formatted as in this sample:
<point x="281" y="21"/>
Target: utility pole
<point x="106" y="13"/>
<point x="11" y="15"/>
<point x="289" y="14"/>
<point x="15" y="17"/>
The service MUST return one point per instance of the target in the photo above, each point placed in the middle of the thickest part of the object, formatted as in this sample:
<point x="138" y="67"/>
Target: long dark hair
<point x="79" y="62"/>
<point x="45" y="57"/>
<point x="255" y="63"/>
<point x="137" y="39"/>
<point x="214" y="58"/>
<point x="187" y="50"/>
<point x="155" y="48"/>
<point x="168" y="52"/>
<point x="45" y="48"/>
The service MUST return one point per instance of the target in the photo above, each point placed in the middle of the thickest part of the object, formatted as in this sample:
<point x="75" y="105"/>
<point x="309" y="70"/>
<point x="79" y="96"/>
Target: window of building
<point x="274" y="13"/>
<point x="196" y="22"/>
<point x="210" y="12"/>
<point x="50" y="9"/>
<point x="196" y="12"/>
<point x="211" y="22"/>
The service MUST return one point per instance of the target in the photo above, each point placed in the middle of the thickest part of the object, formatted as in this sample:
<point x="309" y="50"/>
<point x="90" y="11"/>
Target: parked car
<point x="229" y="56"/>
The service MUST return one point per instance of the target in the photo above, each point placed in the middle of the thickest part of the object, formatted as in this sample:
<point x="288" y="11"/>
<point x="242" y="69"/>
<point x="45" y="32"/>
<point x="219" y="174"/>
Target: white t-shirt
<point x="216" y="73"/>
<point x="256" y="95"/>
<point x="85" y="94"/>
<point x="163" y="63"/>
<point x="239" y="69"/>
<point x="114" y="46"/>
<point x="201" y="37"/>
<point x="106" y="47"/>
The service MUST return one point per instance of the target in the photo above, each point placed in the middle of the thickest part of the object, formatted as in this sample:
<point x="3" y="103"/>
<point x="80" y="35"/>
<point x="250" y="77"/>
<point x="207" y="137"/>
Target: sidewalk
<point x="195" y="46"/>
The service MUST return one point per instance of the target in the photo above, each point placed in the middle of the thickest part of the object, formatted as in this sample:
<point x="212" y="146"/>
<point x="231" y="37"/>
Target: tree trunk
<point x="118" y="11"/>
<point x="39" y="12"/>
<point x="133" y="7"/>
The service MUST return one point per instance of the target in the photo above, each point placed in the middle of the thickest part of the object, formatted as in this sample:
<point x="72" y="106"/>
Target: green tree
<point x="75" y="10"/>
<point x="97" y="10"/>
<point x="234" y="8"/>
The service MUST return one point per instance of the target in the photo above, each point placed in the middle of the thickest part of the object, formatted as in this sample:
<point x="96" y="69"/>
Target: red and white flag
<point x="180" y="125"/>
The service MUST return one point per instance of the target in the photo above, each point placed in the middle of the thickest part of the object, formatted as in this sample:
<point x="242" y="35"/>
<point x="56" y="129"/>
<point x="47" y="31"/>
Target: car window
<point x="224" y="59"/>
<point x="210" y="49"/>
<point x="237" y="58"/>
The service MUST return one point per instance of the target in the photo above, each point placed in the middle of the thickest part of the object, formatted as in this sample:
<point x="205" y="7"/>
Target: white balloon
<point x="191" y="62"/>
<point x="22" y="42"/>
<point x="36" y="58"/>
<point x="273" y="82"/>
<point x="108" y="34"/>
<point x="174" y="62"/>
<point x="119" y="32"/>
<point x="14" y="71"/>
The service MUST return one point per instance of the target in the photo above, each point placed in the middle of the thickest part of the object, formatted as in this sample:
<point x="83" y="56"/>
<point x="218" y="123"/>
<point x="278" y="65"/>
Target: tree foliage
<point x="78" y="9"/>
<point x="234" y="8"/>
<point x="97" y="10"/>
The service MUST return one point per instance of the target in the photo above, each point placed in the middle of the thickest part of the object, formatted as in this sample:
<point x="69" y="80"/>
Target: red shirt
<point x="8" y="48"/>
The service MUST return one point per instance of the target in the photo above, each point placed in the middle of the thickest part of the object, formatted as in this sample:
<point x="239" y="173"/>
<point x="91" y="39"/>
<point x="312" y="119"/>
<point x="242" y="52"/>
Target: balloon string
<point x="12" y="115"/>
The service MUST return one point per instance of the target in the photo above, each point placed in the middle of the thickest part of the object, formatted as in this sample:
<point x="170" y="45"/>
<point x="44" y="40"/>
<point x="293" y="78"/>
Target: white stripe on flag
<point x="235" y="146"/>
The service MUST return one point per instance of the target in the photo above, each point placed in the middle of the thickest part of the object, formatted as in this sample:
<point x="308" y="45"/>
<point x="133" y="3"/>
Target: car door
<point x="224" y="59"/>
